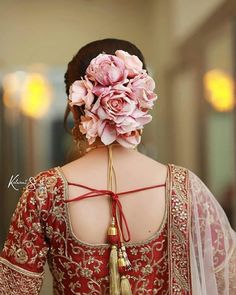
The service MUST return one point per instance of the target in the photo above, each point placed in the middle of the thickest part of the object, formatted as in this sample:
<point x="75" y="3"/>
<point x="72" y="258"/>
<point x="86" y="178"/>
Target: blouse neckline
<point x="154" y="236"/>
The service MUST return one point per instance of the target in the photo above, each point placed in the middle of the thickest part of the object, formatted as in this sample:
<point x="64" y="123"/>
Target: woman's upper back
<point x="144" y="210"/>
<point x="42" y="216"/>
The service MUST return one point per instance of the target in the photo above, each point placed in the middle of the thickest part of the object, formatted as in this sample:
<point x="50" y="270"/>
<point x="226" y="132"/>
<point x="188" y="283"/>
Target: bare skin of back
<point x="144" y="210"/>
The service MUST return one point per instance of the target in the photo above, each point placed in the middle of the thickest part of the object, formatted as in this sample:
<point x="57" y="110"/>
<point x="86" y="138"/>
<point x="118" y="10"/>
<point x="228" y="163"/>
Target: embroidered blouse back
<point x="77" y="267"/>
<point x="166" y="263"/>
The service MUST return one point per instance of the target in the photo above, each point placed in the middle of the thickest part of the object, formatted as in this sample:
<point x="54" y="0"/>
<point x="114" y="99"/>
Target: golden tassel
<point x="127" y="262"/>
<point x="118" y="286"/>
<point x="113" y="262"/>
<point x="114" y="273"/>
<point x="125" y="286"/>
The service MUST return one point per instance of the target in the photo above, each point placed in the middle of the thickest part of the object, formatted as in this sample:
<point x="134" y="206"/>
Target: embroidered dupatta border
<point x="179" y="226"/>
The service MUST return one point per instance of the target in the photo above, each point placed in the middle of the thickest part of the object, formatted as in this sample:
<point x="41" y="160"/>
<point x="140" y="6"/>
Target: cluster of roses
<point x="117" y="94"/>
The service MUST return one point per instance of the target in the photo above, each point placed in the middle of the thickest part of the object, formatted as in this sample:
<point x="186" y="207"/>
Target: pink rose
<point x="107" y="70"/>
<point x="81" y="93"/>
<point x="107" y="132"/>
<point x="123" y="132"/>
<point x="124" y="94"/>
<point x="141" y="117"/>
<point x="100" y="90"/>
<point x="130" y="139"/>
<point x="132" y="63"/>
<point x="142" y="87"/>
<point x="89" y="125"/>
<point x="128" y="124"/>
<point x="114" y="105"/>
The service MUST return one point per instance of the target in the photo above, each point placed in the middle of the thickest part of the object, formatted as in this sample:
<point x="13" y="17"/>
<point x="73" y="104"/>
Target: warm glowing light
<point x="29" y="92"/>
<point x="12" y="88"/>
<point x="36" y="96"/>
<point x="219" y="88"/>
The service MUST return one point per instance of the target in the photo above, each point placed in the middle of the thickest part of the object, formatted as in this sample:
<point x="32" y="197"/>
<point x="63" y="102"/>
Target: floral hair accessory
<point x="117" y="94"/>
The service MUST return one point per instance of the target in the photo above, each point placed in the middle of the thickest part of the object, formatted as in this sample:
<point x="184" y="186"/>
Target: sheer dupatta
<point x="212" y="243"/>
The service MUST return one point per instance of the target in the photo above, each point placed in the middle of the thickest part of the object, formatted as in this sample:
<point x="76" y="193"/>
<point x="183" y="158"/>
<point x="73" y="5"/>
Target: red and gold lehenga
<point x="193" y="251"/>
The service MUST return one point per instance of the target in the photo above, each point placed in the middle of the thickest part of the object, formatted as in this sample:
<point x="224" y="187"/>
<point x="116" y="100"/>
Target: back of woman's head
<point x="77" y="67"/>
<point x="79" y="63"/>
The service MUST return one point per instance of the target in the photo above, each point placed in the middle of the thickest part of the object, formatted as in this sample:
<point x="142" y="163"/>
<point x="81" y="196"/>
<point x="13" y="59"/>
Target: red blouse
<point x="41" y="230"/>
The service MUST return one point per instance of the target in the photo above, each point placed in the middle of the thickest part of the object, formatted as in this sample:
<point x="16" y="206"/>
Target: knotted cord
<point x="116" y="204"/>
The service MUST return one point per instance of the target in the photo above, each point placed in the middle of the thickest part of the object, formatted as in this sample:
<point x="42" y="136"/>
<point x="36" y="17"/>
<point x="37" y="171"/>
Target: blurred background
<point x="190" y="50"/>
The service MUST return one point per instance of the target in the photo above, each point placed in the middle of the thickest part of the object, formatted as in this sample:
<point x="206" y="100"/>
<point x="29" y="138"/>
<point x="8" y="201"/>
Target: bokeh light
<point x="219" y="89"/>
<point x="29" y="92"/>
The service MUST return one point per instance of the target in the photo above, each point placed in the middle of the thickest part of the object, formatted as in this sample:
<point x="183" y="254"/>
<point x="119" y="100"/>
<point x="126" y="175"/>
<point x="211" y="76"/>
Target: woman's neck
<point x="117" y="149"/>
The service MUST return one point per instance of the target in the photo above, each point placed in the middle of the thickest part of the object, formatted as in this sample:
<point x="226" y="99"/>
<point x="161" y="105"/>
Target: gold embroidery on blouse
<point x="178" y="231"/>
<point x="21" y="256"/>
<point x="19" y="269"/>
<point x="14" y="282"/>
<point x="21" y="250"/>
<point x="61" y="259"/>
<point x="24" y="237"/>
<point x="91" y="259"/>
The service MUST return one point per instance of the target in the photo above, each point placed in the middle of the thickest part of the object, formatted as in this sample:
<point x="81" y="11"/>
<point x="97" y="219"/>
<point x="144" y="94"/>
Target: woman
<point x="145" y="228"/>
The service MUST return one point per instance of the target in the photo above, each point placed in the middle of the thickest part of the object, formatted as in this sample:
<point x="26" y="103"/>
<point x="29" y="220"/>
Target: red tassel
<point x="112" y="234"/>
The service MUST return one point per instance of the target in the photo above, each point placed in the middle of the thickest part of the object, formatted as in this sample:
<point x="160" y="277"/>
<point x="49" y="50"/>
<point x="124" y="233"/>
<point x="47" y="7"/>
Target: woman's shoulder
<point x="47" y="173"/>
<point x="177" y="168"/>
<point x="42" y="190"/>
<point x="192" y="179"/>
<point x="44" y="181"/>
